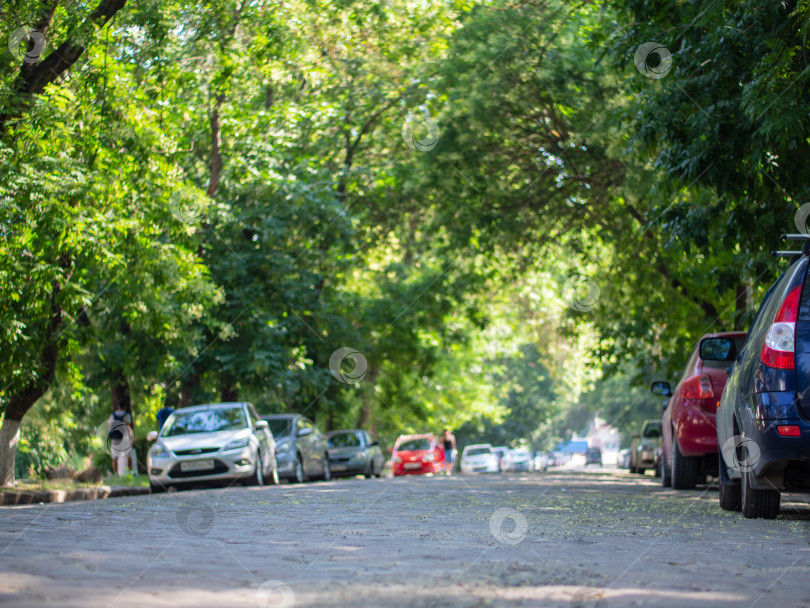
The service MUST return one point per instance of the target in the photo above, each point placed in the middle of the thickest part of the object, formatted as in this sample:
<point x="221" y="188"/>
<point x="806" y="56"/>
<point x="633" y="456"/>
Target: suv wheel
<point x="684" y="469"/>
<point x="758" y="503"/>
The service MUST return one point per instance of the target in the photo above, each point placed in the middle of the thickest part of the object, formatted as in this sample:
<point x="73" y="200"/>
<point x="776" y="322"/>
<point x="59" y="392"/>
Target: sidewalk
<point x="29" y="498"/>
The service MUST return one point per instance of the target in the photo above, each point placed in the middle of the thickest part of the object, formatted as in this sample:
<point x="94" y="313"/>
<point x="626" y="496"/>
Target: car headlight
<point x="428" y="457"/>
<point x="282" y="448"/>
<point x="158" y="451"/>
<point x="236" y="444"/>
<point x="359" y="455"/>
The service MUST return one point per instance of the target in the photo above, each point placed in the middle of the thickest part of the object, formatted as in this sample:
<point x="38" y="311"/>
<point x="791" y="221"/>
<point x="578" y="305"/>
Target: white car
<point x="479" y="459"/>
<point x="212" y="443"/>
<point x="520" y="461"/>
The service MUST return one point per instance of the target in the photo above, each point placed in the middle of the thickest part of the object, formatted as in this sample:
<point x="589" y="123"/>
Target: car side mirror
<point x="390" y="450"/>
<point x="373" y="443"/>
<point x="152" y="436"/>
<point x="661" y="388"/>
<point x="304" y="432"/>
<point x="261" y="424"/>
<point x="718" y="349"/>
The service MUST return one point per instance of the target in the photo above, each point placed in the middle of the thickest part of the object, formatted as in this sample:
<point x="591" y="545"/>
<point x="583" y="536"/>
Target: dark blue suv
<point x="763" y="418"/>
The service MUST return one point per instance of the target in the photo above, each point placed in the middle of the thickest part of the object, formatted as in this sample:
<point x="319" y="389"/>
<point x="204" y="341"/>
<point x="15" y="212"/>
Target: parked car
<point x="644" y="447"/>
<point x="623" y="461"/>
<point x="541" y="461"/>
<point x="689" y="434"/>
<point x="502" y="452"/>
<point x="520" y="461"/>
<point x="301" y="449"/>
<point x="218" y="442"/>
<point x="416" y="455"/>
<point x="479" y="458"/>
<point x="763" y="421"/>
<point x="354" y="452"/>
<point x="593" y="456"/>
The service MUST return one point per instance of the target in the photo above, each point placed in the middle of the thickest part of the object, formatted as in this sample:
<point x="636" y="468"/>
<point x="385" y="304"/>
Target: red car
<point x="416" y="455"/>
<point x="689" y="432"/>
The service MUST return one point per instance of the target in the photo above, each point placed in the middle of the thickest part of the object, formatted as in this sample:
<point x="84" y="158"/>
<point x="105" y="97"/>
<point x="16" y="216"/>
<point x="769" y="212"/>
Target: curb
<point x="29" y="498"/>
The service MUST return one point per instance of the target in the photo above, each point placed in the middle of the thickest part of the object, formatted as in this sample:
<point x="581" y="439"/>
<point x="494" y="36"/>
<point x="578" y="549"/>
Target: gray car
<point x="218" y="442"/>
<point x="301" y="451"/>
<point x="354" y="452"/>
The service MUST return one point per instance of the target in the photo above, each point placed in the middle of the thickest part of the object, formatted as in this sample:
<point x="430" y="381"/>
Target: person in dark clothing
<point x="449" y="446"/>
<point x="162" y="415"/>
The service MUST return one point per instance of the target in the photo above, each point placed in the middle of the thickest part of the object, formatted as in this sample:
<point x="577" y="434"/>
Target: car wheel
<point x="257" y="479"/>
<point x="758" y="503"/>
<point x="730" y="496"/>
<point x="684" y="469"/>
<point x="379" y="470"/>
<point x="327" y="472"/>
<point x="156" y="488"/>
<point x="666" y="474"/>
<point x="298" y="475"/>
<point x="273" y="479"/>
<point x="369" y="470"/>
<point x="641" y="471"/>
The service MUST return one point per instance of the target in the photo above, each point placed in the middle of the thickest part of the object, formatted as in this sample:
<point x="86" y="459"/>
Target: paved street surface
<point x="567" y="538"/>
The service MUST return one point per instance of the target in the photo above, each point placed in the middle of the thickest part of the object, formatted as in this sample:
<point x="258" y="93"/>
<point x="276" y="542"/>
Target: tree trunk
<point x="216" y="147"/>
<point x="188" y="389"/>
<point x="9" y="435"/>
<point x="120" y="393"/>
<point x="740" y="305"/>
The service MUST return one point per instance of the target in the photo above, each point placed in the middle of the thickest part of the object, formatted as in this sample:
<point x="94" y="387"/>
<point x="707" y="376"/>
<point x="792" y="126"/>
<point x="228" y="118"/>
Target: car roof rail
<point x="795" y="237"/>
<point x="787" y="254"/>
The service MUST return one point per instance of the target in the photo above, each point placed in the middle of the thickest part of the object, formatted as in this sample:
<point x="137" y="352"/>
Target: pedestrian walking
<point x="449" y="446"/>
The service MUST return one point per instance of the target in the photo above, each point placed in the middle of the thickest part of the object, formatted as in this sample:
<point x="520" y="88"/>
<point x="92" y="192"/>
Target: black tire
<point x="369" y="470"/>
<point x="666" y="474"/>
<point x="273" y="480"/>
<point x="730" y="496"/>
<point x="327" y="471"/>
<point x="758" y="503"/>
<point x="257" y="479"/>
<point x="156" y="488"/>
<point x="641" y="471"/>
<point x="378" y="474"/>
<point x="298" y="471"/>
<point x="684" y="469"/>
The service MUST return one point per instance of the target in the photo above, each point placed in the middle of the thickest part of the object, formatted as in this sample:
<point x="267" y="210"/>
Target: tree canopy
<point x="514" y="211"/>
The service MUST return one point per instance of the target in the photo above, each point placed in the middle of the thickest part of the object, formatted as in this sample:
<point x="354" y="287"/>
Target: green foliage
<point x="218" y="195"/>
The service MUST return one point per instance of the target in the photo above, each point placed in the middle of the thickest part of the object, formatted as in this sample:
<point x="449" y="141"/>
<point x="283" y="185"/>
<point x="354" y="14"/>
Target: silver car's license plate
<point x="197" y="465"/>
<point x="337" y="467"/>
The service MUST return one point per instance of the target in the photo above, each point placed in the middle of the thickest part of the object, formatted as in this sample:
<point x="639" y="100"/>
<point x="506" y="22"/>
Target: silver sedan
<point x="218" y="442"/>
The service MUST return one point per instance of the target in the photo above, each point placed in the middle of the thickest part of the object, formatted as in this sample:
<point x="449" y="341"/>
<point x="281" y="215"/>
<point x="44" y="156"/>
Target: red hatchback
<point x="416" y="455"/>
<point x="688" y="426"/>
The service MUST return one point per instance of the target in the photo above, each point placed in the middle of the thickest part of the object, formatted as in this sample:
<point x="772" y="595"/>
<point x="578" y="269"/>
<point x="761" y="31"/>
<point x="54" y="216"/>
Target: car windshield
<point x="344" y="440"/>
<point x="478" y="451"/>
<point x="412" y="445"/>
<point x="280" y="427"/>
<point x="205" y="421"/>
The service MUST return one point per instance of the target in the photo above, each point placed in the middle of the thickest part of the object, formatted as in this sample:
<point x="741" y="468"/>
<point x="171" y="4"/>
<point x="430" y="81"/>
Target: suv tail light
<point x="699" y="387"/>
<point x="778" y="350"/>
